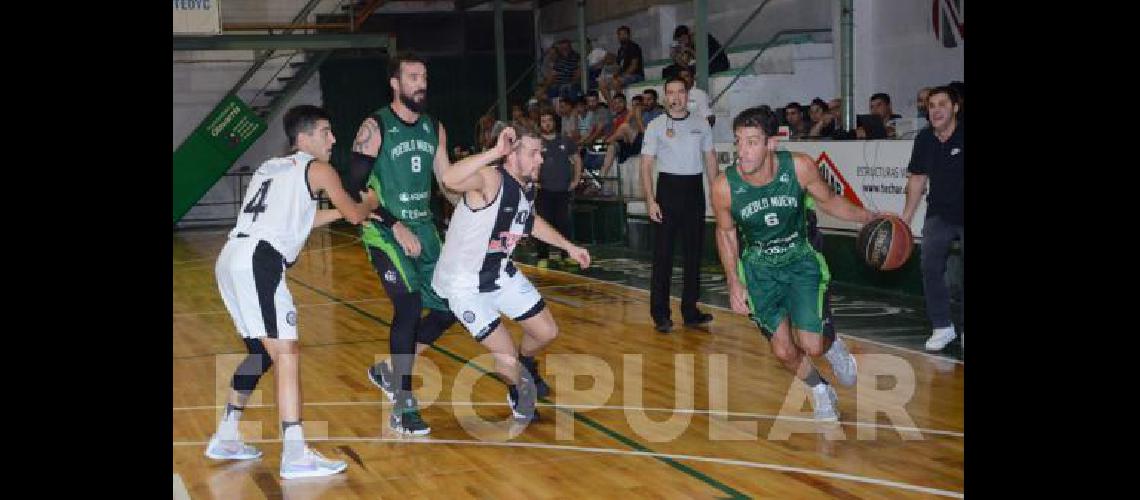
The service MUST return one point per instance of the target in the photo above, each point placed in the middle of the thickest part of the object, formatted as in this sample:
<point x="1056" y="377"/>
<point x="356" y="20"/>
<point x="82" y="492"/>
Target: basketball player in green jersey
<point x="779" y="278"/>
<point x="396" y="151"/>
<point x="815" y="237"/>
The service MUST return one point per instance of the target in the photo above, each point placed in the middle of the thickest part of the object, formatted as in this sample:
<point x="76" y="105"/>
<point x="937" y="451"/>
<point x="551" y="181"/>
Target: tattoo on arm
<point x="368" y="130"/>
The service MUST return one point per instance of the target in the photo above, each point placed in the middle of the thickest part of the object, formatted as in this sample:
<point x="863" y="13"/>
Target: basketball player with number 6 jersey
<point x="779" y="279"/>
<point x="475" y="273"/>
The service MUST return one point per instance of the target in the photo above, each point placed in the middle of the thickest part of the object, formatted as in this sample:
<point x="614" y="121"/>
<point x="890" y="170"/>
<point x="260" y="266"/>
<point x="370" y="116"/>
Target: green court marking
<point x="585" y="420"/>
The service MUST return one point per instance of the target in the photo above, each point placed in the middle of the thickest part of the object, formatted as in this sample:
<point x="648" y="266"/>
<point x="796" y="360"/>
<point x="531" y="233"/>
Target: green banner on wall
<point x="211" y="149"/>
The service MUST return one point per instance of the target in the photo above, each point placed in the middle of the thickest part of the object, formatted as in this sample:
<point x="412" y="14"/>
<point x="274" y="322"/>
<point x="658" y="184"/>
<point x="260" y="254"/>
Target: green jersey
<point x="403" y="172"/>
<point x="771" y="218"/>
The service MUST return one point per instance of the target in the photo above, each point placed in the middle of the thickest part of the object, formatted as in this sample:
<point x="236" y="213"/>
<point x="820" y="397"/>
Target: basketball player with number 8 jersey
<point x="780" y="279"/>
<point x="397" y="151"/>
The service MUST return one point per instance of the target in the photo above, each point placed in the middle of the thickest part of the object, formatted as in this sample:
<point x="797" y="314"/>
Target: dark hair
<point x="794" y="105"/>
<point x="882" y="96"/>
<point x="959" y="88"/>
<point x="819" y="102"/>
<point x="948" y="90"/>
<point x="681" y="29"/>
<point x="677" y="78"/>
<point x="617" y="96"/>
<point x="546" y="110"/>
<point x="520" y="132"/>
<point x="301" y="120"/>
<point x="624" y="28"/>
<point x="652" y="92"/>
<point x="760" y="116"/>
<point x="402" y="57"/>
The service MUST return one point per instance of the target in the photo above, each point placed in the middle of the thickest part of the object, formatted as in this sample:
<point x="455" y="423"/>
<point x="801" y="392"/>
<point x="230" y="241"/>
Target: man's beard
<point x="410" y="103"/>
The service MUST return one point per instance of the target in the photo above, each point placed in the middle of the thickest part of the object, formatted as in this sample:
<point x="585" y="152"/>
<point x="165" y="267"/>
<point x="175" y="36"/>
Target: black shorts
<point x="626" y="150"/>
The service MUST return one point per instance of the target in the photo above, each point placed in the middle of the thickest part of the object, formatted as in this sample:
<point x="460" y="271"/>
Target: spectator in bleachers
<point x="684" y="55"/>
<point x="822" y="120"/>
<point x="601" y="66"/>
<point x="533" y="110"/>
<point x="565" y="71"/>
<point x="698" y="99"/>
<point x="519" y="119"/>
<point x="546" y="69"/>
<point x="650" y="104"/>
<point x="798" y="127"/>
<point x="835" y="108"/>
<point x="568" y="118"/>
<point x="920" y="103"/>
<point x="595" y="119"/>
<point x="618" y="113"/>
<point x="880" y="105"/>
<point x="625" y="141"/>
<point x="631" y="62"/>
<point x="483" y="137"/>
<point x="561" y="170"/>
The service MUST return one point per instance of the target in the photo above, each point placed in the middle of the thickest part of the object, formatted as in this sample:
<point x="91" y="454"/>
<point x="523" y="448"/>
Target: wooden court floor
<point x="700" y="413"/>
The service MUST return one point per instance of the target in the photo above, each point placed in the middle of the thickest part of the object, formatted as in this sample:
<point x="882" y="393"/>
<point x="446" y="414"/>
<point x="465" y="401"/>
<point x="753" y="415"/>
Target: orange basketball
<point x="885" y="243"/>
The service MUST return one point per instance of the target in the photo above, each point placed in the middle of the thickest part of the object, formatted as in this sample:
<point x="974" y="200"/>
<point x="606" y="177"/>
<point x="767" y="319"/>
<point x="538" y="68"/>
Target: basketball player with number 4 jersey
<point x="779" y="279"/>
<point x="279" y="211"/>
<point x="475" y="273"/>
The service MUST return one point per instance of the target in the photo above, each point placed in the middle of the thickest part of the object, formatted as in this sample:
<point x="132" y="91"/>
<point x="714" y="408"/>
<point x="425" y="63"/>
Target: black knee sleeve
<point x="255" y="364"/>
<point x="433" y="325"/>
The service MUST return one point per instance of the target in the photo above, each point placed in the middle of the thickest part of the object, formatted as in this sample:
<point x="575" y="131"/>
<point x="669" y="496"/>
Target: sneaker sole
<point x="941" y="347"/>
<point x="519" y="417"/>
<point x="390" y="395"/>
<point x="406" y="432"/>
<point x="232" y="457"/>
<point x="315" y="473"/>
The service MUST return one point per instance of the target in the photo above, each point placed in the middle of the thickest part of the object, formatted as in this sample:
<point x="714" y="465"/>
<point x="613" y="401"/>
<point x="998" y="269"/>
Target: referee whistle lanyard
<point x="669" y="124"/>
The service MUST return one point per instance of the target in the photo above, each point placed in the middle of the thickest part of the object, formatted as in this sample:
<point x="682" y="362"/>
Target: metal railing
<point x="239" y="188"/>
<point x="513" y="86"/>
<point x="763" y="48"/>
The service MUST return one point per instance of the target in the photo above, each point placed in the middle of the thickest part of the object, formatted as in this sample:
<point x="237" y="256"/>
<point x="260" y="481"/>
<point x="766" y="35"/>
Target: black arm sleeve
<point x="357" y="180"/>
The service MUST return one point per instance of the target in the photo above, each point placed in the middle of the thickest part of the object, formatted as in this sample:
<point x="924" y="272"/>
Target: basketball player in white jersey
<point x="475" y="273"/>
<point x="279" y="211"/>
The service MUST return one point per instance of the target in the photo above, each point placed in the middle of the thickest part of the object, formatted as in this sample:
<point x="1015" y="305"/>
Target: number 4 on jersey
<point x="257" y="204"/>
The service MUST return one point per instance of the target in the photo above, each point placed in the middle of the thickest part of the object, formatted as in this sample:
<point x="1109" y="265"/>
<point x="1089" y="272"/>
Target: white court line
<point x="611" y="408"/>
<point x="861" y="339"/>
<point x="355" y="240"/>
<point x="612" y="451"/>
<point x="314" y="304"/>
<point x="361" y="301"/>
<point x="548" y="287"/>
<point x="180" y="492"/>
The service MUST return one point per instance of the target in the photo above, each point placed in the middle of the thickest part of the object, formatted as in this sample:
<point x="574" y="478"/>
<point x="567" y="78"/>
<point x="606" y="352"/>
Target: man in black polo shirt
<point x="938" y="155"/>
<point x="632" y="65"/>
<point x="560" y="171"/>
